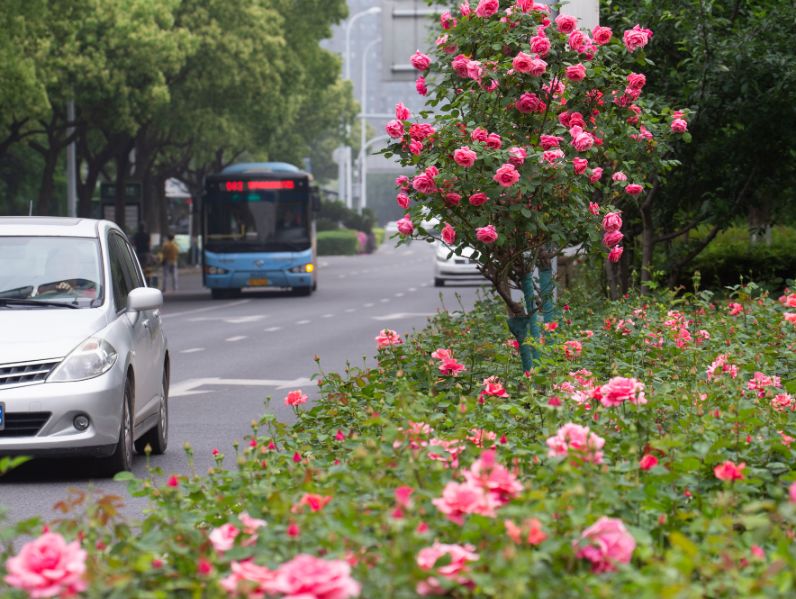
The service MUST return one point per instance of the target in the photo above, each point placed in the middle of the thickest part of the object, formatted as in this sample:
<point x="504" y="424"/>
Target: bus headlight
<point x="215" y="270"/>
<point x="303" y="268"/>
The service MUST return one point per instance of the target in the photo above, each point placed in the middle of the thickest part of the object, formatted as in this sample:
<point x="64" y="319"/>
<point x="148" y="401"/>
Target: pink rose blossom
<point x="402" y="182"/>
<point x="552" y="156"/>
<point x="493" y="477"/>
<point x="566" y="24"/>
<point x="486" y="234"/>
<point x="582" y="140"/>
<point x="487" y="8"/>
<point x="402" y="200"/>
<point x="636" y="38"/>
<point x="295" y="398"/>
<point x="540" y="44"/>
<point x="615" y="254"/>
<point x="251" y="574"/>
<point x="424" y="184"/>
<point x="405" y="226"/>
<point x="517" y="155"/>
<point x="530" y="103"/>
<point x="594" y="208"/>
<point x="619" y="176"/>
<point x="576" y="72"/>
<point x="402" y="112"/>
<point x="420" y="61"/>
<point x="461" y="499"/>
<point x="250" y="525"/>
<point x="447" y="21"/>
<point x="388" y="337"/>
<point x="550" y="141"/>
<point x="572" y="349"/>
<point x="579" y="165"/>
<point x="538" y="67"/>
<point x="223" y="537"/>
<point x="783" y="402"/>
<point x="790" y="317"/>
<point x="309" y="577"/>
<point x="729" y="471"/>
<point x="421" y="131"/>
<point x="577" y="40"/>
<point x="579" y="440"/>
<point x="313" y="501"/>
<point x="634" y="189"/>
<point x="448" y="234"/>
<point x="522" y="63"/>
<point x="450" y="367"/>
<point x="479" y="134"/>
<point x="620" y="389"/>
<point x="475" y="70"/>
<point x="612" y="222"/>
<point x="455" y="558"/>
<point x="442" y="353"/>
<point x="507" y="175"/>
<point x="679" y="126"/>
<point x="636" y="80"/>
<point x="648" y="462"/>
<point x="452" y="199"/>
<point x="459" y="65"/>
<point x="611" y="238"/>
<point x="464" y="156"/>
<point x="792" y="492"/>
<point x="464" y="8"/>
<point x="605" y="544"/>
<point x="415" y="147"/>
<point x="601" y="35"/>
<point x="493" y="388"/>
<point x="420" y="86"/>
<point x="395" y="129"/>
<point x="478" y="198"/>
<point x="494" y="141"/>
<point x="48" y="567"/>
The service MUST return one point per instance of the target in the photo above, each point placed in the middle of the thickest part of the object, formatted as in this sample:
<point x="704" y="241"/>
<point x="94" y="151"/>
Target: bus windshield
<point x="257" y="221"/>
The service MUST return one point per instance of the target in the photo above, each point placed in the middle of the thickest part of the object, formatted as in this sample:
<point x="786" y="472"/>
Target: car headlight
<point x="215" y="270"/>
<point x="303" y="268"/>
<point x="91" y="358"/>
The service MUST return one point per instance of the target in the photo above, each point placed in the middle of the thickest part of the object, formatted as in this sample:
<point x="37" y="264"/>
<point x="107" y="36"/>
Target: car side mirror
<point x="144" y="298"/>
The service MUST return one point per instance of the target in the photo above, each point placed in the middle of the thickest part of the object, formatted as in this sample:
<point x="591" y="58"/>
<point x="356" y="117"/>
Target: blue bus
<point x="258" y="229"/>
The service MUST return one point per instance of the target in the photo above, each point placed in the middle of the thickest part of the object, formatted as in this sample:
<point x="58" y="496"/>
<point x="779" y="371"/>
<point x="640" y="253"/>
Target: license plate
<point x="261" y="282"/>
<point x="2" y="416"/>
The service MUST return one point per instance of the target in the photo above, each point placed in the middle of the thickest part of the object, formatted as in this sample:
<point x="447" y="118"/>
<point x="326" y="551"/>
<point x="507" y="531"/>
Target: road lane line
<point x="303" y="321"/>
<point x="413" y="289"/>
<point x="350" y="310"/>
<point x="235" y="338"/>
<point x="399" y="295"/>
<point x="328" y="316"/>
<point x="191" y="350"/>
<point x="272" y="329"/>
<point x="206" y="309"/>
<point x="384" y="300"/>
<point x="368" y="305"/>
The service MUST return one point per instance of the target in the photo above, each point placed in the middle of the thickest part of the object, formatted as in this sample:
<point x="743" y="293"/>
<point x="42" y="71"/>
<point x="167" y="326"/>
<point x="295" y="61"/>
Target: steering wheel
<point x="72" y="287"/>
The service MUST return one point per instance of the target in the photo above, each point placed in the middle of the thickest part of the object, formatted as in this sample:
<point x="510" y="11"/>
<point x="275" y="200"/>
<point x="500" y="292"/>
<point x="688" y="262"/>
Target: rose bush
<point x="404" y="481"/>
<point x="544" y="128"/>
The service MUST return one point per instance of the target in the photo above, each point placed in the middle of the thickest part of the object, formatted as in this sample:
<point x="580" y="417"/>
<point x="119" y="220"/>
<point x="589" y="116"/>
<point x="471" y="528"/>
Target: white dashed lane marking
<point x="303" y="321"/>
<point x="236" y="338"/>
<point x="191" y="350"/>
<point x="328" y="316"/>
<point x="272" y="329"/>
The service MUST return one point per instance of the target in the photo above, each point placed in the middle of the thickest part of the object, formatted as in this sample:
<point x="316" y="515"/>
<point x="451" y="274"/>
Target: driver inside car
<point x="62" y="276"/>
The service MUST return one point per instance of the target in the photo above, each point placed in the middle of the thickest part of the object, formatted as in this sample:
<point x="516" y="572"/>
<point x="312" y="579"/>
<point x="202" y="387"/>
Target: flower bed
<point x="650" y="453"/>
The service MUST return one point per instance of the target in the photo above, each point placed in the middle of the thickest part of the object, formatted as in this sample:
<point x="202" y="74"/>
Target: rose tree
<point x="538" y="134"/>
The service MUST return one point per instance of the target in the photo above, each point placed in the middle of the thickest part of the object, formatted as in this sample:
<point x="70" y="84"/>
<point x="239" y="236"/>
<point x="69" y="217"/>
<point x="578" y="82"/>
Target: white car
<point x="449" y="266"/>
<point x="84" y="363"/>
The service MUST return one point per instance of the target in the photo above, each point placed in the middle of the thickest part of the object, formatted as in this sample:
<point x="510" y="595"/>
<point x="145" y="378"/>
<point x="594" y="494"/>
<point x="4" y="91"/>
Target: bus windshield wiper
<point x="12" y="301"/>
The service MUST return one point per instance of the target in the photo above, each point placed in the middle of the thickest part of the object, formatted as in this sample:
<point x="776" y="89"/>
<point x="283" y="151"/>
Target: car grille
<point x="25" y="372"/>
<point x="24" y="424"/>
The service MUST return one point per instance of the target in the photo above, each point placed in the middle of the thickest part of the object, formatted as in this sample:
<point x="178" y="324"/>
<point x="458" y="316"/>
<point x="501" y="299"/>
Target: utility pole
<point x="71" y="162"/>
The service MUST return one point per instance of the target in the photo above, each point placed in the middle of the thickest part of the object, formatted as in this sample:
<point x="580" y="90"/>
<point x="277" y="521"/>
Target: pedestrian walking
<point x="170" y="253"/>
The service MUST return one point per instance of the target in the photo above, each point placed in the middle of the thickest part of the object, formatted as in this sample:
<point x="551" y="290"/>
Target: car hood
<point x="443" y="251"/>
<point x="43" y="333"/>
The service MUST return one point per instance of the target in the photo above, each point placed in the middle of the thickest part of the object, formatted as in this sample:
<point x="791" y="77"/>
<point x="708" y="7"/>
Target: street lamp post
<point x="363" y="104"/>
<point x="373" y="10"/>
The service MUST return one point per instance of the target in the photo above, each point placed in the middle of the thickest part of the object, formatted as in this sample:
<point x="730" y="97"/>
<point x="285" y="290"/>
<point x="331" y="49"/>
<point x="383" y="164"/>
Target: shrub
<point x="650" y="453"/>
<point x="378" y="232"/>
<point x="343" y="242"/>
<point x="731" y="256"/>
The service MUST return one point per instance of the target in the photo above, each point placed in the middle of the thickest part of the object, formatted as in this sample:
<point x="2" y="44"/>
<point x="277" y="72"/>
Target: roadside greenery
<point x="649" y="453"/>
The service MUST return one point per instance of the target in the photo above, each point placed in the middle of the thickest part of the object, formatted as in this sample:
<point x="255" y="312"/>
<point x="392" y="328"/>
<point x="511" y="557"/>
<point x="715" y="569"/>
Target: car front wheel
<point x="122" y="457"/>
<point x="157" y="438"/>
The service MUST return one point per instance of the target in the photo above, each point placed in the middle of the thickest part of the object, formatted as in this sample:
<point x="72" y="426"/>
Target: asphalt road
<point x="228" y="356"/>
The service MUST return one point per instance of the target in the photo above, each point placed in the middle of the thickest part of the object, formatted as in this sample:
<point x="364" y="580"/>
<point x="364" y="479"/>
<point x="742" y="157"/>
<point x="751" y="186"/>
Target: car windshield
<point x="46" y="271"/>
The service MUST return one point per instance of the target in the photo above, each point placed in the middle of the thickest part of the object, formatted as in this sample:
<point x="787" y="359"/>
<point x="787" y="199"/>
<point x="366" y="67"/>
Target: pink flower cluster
<point x="492" y="388"/>
<point x="579" y="441"/>
<point x="456" y="558"/>
<point x="48" y="567"/>
<point x="722" y="364"/>
<point x="223" y="537"/>
<point x="621" y="389"/>
<point x="760" y="382"/>
<point x="612" y="236"/>
<point x="304" y="577"/>
<point x="388" y="337"/>
<point x="487" y="486"/>
<point x="605" y="544"/>
<point x="729" y="471"/>
<point x="448" y="365"/>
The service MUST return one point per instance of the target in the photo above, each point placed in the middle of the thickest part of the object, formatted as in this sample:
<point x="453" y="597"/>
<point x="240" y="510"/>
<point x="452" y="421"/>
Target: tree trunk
<point x="122" y="160"/>
<point x="44" y="203"/>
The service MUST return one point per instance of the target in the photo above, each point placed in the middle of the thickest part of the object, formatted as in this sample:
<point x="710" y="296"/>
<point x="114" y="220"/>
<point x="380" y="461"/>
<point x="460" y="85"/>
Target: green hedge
<point x="342" y="242"/>
<point x="378" y="232"/>
<point x="731" y="256"/>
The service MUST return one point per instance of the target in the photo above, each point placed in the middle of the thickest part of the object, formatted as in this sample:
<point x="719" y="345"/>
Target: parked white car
<point x="84" y="362"/>
<point x="449" y="266"/>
